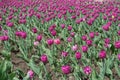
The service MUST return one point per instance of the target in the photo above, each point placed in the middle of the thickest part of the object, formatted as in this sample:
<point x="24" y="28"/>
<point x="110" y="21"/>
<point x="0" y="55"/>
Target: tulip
<point x="84" y="37"/>
<point x="64" y="54"/>
<point x="4" y="38"/>
<point x="91" y="34"/>
<point x="30" y="73"/>
<point x="69" y="39"/>
<point x="78" y="55"/>
<point x="39" y="37"/>
<point x="89" y="42"/>
<point x="117" y="44"/>
<point x="107" y="40"/>
<point x="102" y="54"/>
<point x="34" y="30"/>
<point x="62" y="26"/>
<point x="57" y="41"/>
<point x="0" y="28"/>
<point x="38" y="16"/>
<point x="36" y="43"/>
<point x="106" y="27"/>
<point x="21" y="34"/>
<point x="10" y="24"/>
<point x="50" y="41"/>
<point x="44" y="58"/>
<point x="66" y="69"/>
<point x="84" y="48"/>
<point x="87" y="70"/>
<point x="53" y="33"/>
<point x="75" y="47"/>
<point x="69" y="28"/>
<point x="72" y="34"/>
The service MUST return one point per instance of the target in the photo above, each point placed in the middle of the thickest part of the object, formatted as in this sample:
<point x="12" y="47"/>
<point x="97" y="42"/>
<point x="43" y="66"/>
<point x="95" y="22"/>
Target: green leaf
<point x="117" y="68"/>
<point x="33" y="66"/>
<point x="15" y="78"/>
<point x="20" y="72"/>
<point x="108" y="71"/>
<point x="26" y="77"/>
<point x="6" y="54"/>
<point x="12" y="75"/>
<point x="94" y="75"/>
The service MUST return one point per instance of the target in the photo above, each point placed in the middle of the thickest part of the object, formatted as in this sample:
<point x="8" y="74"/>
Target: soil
<point x="19" y="63"/>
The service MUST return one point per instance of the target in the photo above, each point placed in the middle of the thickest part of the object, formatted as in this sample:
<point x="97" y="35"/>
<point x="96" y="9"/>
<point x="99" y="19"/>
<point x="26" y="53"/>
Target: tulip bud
<point x="84" y="48"/>
<point x="87" y="70"/>
<point x="50" y="41"/>
<point x="44" y="58"/>
<point x="30" y="73"/>
<point x="78" y="55"/>
<point x="102" y="54"/>
<point x="39" y="38"/>
<point x="66" y="69"/>
<point x="57" y="41"/>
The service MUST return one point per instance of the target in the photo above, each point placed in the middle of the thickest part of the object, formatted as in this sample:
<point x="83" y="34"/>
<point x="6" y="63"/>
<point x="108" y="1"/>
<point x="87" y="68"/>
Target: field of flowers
<point x="59" y="40"/>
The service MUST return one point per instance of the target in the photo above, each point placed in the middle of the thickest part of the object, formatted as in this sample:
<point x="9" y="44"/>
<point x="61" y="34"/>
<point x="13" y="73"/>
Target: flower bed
<point x="59" y="40"/>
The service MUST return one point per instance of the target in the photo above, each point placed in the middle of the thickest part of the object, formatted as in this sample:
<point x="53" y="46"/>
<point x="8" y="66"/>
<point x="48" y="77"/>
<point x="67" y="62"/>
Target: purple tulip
<point x="84" y="37"/>
<point x="87" y="70"/>
<point x="117" y="44"/>
<point x="64" y="53"/>
<point x="106" y="27"/>
<point x="4" y="38"/>
<point x="104" y="17"/>
<point x="51" y="28"/>
<point x="31" y="74"/>
<point x="73" y="17"/>
<point x="107" y="40"/>
<point x="50" y="41"/>
<point x="22" y="21"/>
<point x="57" y="41"/>
<point x="106" y="45"/>
<point x="5" y="32"/>
<point x="66" y="69"/>
<point x="38" y="16"/>
<point x="84" y="48"/>
<point x="0" y="28"/>
<point x="89" y="42"/>
<point x="21" y="34"/>
<point x="78" y="55"/>
<point x="10" y="24"/>
<point x="53" y="32"/>
<point x="75" y="47"/>
<point x="69" y="39"/>
<point x="91" y="35"/>
<point x="69" y="28"/>
<point x="62" y="26"/>
<point x="39" y="37"/>
<point x="102" y="54"/>
<point x="78" y="21"/>
<point x="34" y="30"/>
<point x="97" y="34"/>
<point x="44" y="58"/>
<point x="72" y="34"/>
